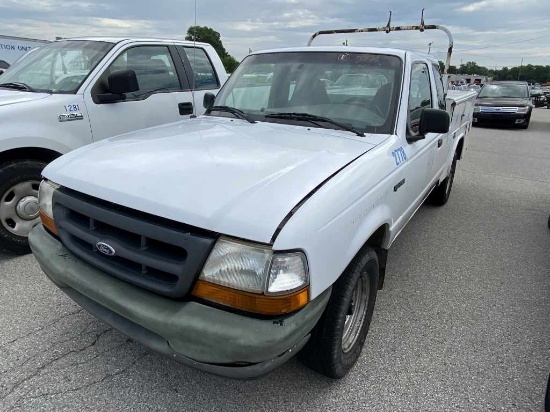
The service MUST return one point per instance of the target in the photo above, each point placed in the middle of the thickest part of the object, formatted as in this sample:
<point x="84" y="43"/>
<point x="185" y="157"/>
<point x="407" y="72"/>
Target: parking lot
<point x="463" y="321"/>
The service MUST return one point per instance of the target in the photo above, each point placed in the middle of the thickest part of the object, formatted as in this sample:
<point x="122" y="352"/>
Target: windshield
<point x="504" y="90"/>
<point x="59" y="67"/>
<point x="312" y="83"/>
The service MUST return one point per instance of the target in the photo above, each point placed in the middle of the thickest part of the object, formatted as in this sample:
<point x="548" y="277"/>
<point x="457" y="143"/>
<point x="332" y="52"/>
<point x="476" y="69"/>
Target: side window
<point x="420" y="95"/>
<point x="440" y="89"/>
<point x="205" y="75"/>
<point x="154" y="67"/>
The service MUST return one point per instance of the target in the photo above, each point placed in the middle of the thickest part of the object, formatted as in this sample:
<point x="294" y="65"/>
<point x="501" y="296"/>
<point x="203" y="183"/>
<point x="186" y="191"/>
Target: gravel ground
<point x="463" y="322"/>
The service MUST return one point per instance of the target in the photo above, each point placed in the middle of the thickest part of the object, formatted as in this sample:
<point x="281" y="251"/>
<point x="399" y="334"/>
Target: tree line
<point x="529" y="72"/>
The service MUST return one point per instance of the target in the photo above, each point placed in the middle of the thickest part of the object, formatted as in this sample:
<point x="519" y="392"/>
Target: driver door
<point x="164" y="94"/>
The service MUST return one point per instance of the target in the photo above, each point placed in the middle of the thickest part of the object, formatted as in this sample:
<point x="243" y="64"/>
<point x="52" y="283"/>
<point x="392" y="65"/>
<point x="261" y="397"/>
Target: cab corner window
<point x="154" y="68"/>
<point x="205" y="75"/>
<point x="420" y="95"/>
<point x="440" y="89"/>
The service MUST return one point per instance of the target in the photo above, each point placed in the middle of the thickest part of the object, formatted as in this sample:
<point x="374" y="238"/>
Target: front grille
<point x="491" y="109"/>
<point x="154" y="253"/>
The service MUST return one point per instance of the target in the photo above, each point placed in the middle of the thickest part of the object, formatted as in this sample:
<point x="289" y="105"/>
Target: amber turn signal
<point x="48" y="223"/>
<point x="251" y="302"/>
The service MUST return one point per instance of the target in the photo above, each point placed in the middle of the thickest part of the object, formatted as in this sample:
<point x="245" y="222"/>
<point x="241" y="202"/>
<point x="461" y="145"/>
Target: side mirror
<point x="120" y="83"/>
<point x="434" y="121"/>
<point x="208" y="100"/>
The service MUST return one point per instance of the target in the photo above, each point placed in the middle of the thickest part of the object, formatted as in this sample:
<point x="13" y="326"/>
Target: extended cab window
<point x="439" y="87"/>
<point x="420" y="95"/>
<point x="205" y="75"/>
<point x="154" y="69"/>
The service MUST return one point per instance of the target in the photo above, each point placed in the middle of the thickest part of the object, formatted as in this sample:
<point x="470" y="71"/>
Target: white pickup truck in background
<point x="232" y="241"/>
<point x="74" y="92"/>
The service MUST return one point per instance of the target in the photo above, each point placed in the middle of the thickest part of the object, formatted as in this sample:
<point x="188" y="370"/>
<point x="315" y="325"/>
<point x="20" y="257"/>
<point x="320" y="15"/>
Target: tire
<point x="440" y="195"/>
<point x="526" y="124"/>
<point x="334" y="347"/>
<point x="19" y="182"/>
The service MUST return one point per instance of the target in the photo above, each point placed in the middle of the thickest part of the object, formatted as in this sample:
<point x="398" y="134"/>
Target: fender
<point x="33" y="142"/>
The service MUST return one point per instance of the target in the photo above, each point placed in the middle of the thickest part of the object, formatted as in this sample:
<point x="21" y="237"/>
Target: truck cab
<point x="74" y="92"/>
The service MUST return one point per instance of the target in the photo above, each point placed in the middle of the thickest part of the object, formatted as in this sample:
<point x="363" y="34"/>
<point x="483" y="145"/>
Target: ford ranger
<point x="235" y="240"/>
<point x="73" y="92"/>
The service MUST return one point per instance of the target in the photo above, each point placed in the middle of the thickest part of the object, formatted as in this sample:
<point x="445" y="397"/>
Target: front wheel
<point x="19" y="182"/>
<point x="338" y="338"/>
<point x="440" y="195"/>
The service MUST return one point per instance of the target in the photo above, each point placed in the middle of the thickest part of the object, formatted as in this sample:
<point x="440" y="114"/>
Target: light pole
<point x="520" y="66"/>
<point x="430" y="47"/>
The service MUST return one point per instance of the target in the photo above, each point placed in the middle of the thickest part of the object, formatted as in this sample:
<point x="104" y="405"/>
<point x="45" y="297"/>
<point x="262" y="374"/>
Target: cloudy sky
<point x="493" y="33"/>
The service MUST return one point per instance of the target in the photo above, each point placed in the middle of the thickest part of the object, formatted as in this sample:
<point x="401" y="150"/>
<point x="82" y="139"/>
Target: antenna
<point x="388" y="26"/>
<point x="194" y="115"/>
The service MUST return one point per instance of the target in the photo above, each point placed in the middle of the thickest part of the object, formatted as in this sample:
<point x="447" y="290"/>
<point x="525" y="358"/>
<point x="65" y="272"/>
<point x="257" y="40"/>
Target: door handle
<point x="440" y="142"/>
<point x="185" y="108"/>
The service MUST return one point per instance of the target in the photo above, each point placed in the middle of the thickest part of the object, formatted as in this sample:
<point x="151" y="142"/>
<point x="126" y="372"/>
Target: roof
<point x="135" y="39"/>
<point x="349" y="49"/>
<point x="509" y="82"/>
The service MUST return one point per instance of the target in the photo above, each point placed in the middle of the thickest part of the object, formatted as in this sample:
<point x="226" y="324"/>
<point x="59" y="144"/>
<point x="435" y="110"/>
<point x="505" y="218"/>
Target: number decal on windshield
<point x="399" y="156"/>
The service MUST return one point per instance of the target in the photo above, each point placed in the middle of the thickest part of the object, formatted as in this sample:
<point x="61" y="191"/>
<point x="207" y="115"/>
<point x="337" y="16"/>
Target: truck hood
<point x="13" y="96"/>
<point x="220" y="174"/>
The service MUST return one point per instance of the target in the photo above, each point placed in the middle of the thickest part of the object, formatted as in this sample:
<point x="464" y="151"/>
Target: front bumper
<point x="507" y="118"/>
<point x="194" y="334"/>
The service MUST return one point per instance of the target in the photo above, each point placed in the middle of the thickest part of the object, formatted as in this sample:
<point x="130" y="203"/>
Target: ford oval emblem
<point x="104" y="248"/>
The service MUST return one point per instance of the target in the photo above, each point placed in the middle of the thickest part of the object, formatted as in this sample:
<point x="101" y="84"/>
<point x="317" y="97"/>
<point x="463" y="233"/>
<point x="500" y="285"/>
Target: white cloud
<point x="245" y="24"/>
<point x="494" y="4"/>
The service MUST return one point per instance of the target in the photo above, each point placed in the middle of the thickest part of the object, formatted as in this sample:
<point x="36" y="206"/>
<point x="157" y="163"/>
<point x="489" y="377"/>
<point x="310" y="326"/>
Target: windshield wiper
<point x="233" y="110"/>
<point x="18" y="86"/>
<point x="313" y="118"/>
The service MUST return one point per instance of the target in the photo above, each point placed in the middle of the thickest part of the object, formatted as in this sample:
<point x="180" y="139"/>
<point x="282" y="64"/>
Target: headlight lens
<point x="524" y="109"/>
<point x="476" y="109"/>
<point x="237" y="265"/>
<point x="45" y="203"/>
<point x="253" y="278"/>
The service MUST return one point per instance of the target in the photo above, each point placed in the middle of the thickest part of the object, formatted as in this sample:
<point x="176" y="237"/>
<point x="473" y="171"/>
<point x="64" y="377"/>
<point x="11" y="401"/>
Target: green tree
<point x="230" y="63"/>
<point x="208" y="35"/>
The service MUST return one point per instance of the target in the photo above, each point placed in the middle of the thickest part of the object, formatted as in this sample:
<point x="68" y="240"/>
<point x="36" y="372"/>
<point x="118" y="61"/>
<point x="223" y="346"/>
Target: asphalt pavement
<point x="463" y="321"/>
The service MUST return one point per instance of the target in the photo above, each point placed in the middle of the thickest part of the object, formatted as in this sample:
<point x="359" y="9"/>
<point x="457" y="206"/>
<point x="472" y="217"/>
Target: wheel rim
<point x="19" y="207"/>
<point x="357" y="312"/>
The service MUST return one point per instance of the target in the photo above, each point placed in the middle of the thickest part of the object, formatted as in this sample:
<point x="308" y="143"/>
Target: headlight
<point x="524" y="109"/>
<point x="476" y="109"/>
<point x="45" y="195"/>
<point x="253" y="278"/>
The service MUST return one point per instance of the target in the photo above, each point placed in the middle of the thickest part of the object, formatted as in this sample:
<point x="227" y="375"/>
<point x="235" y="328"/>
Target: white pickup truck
<point x="73" y="92"/>
<point x="232" y="241"/>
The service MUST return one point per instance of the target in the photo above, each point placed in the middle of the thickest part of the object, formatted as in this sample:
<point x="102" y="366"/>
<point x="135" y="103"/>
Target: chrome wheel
<point x="19" y="207"/>
<point x="357" y="311"/>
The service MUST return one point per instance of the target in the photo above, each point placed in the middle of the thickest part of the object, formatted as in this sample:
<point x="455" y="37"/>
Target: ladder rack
<point x="388" y="28"/>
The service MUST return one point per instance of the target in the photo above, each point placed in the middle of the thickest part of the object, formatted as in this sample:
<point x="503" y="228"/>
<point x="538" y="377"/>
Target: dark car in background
<point x="4" y="66"/>
<point x="504" y="103"/>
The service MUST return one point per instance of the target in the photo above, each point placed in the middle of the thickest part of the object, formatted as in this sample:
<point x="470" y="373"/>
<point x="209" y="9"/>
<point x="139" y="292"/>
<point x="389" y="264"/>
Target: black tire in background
<point x="17" y="174"/>
<point x="338" y="338"/>
<point x="440" y="195"/>
<point x="526" y="124"/>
